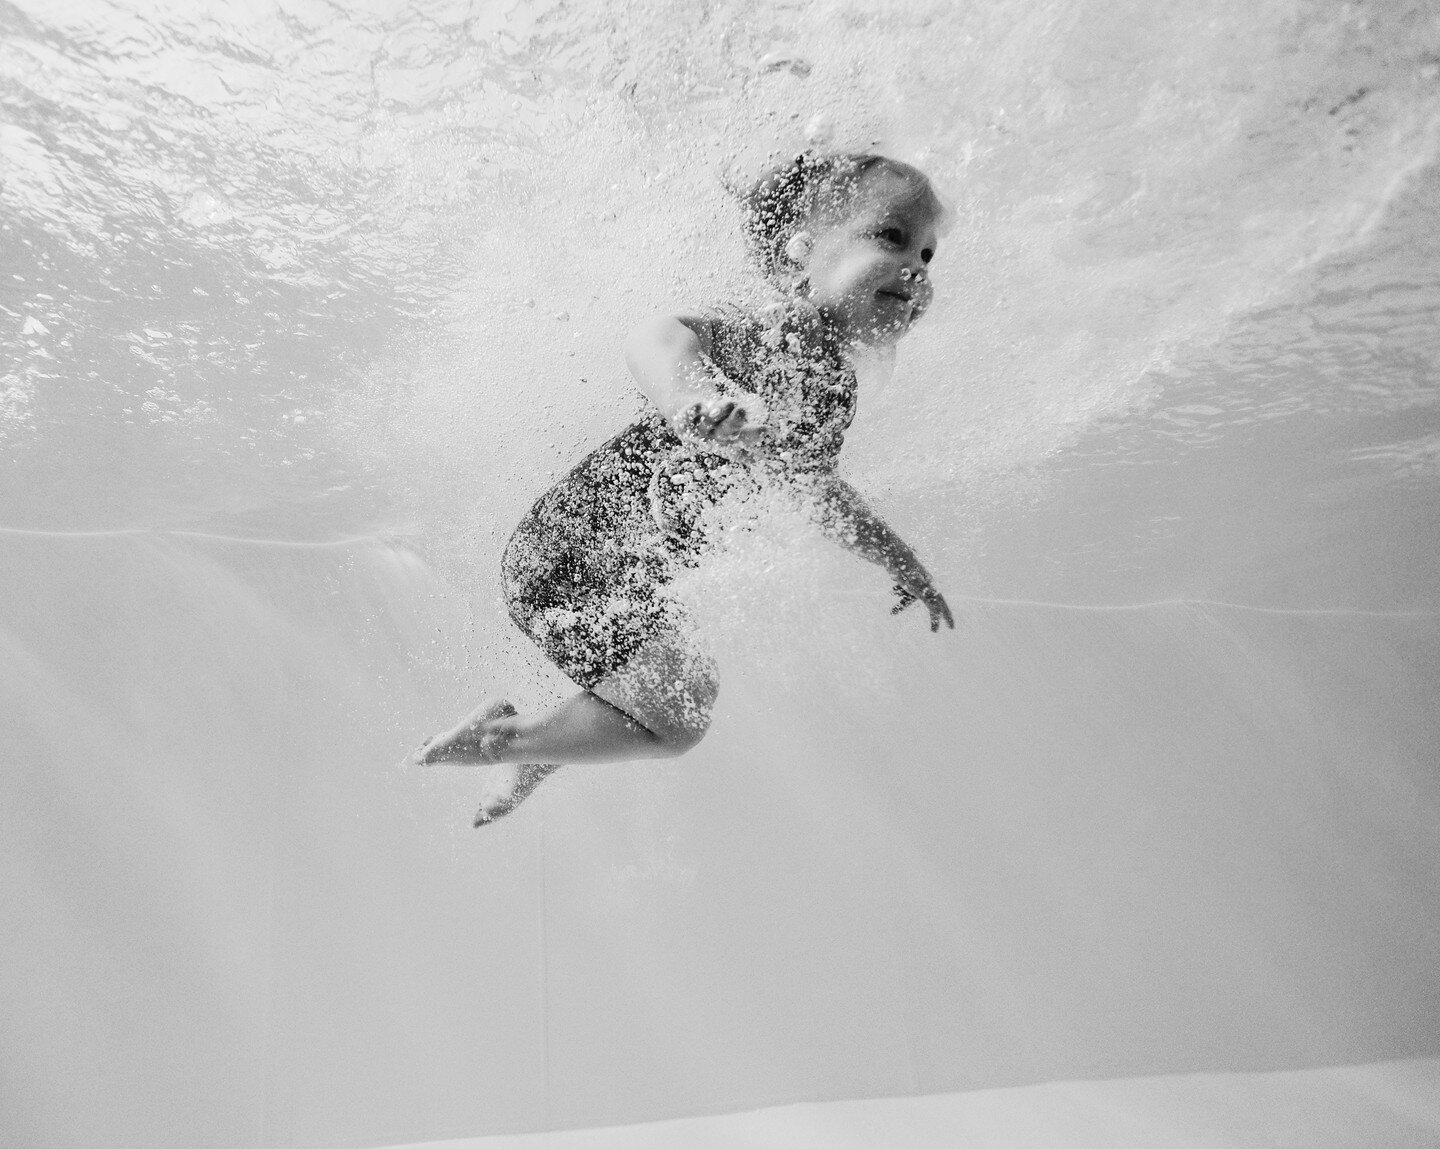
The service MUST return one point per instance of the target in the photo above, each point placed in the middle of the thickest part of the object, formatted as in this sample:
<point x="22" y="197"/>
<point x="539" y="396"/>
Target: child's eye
<point x="892" y="235"/>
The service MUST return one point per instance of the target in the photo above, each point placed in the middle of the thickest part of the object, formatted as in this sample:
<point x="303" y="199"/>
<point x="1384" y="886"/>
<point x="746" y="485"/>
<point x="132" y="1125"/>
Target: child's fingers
<point x="721" y="419"/>
<point x="940" y="609"/>
<point x="702" y="417"/>
<point x="716" y="415"/>
<point x="733" y="425"/>
<point x="694" y="421"/>
<point x="934" y="603"/>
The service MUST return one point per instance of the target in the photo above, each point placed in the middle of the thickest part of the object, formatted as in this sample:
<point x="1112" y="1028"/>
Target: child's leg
<point x="657" y="706"/>
<point x="584" y="728"/>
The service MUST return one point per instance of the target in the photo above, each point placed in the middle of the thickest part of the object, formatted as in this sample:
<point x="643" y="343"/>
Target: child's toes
<point x="496" y="797"/>
<point x="423" y="755"/>
<point x="437" y="748"/>
<point x="487" y="712"/>
<point x="507" y="788"/>
<point x="466" y="741"/>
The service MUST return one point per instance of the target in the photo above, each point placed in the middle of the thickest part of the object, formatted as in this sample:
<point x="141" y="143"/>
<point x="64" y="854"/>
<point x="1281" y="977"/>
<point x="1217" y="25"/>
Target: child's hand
<point x="923" y="590"/>
<point x="726" y="421"/>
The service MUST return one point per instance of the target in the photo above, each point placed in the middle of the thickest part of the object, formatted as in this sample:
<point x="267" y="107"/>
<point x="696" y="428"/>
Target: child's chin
<point x="883" y="334"/>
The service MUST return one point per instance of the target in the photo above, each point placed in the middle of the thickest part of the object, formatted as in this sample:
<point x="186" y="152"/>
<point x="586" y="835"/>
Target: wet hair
<point x="785" y="199"/>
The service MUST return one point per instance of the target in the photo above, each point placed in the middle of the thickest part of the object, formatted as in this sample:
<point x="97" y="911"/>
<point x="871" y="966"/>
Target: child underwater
<point x="740" y="401"/>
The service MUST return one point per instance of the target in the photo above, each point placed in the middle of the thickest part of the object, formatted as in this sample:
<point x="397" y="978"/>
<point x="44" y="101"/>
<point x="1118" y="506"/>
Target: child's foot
<point x="472" y="741"/>
<point x="507" y="787"/>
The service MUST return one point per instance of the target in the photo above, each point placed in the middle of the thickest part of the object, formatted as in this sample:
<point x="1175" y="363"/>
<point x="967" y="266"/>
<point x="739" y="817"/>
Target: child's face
<point x="868" y="269"/>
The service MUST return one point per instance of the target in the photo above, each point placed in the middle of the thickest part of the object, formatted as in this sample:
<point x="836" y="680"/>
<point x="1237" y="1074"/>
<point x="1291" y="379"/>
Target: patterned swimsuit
<point x="586" y="572"/>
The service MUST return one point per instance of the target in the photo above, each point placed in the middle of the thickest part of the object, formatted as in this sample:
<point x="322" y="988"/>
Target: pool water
<point x="302" y="306"/>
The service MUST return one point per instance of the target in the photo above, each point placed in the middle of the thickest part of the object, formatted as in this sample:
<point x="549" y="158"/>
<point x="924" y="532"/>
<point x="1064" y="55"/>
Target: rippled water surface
<point x="305" y="269"/>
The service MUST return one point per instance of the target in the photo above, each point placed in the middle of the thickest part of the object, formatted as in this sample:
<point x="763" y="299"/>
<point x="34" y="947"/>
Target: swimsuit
<point x="586" y="572"/>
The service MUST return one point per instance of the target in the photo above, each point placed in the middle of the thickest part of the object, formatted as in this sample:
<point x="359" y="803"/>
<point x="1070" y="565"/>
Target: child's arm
<point x="845" y="518"/>
<point x="670" y="359"/>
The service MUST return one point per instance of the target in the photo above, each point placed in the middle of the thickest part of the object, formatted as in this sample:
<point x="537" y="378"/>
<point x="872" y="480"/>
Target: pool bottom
<point x="1382" y="1105"/>
<point x="1066" y="842"/>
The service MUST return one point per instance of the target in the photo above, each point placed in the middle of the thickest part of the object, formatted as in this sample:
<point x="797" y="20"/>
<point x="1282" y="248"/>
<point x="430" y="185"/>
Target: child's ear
<point x="799" y="247"/>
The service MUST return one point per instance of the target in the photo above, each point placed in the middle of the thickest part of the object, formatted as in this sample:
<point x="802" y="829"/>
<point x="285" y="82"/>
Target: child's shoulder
<point x="742" y="341"/>
<point x="785" y="323"/>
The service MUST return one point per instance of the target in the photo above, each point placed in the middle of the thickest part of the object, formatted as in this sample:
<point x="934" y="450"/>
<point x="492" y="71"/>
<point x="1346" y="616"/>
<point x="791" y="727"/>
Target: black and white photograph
<point x="719" y="574"/>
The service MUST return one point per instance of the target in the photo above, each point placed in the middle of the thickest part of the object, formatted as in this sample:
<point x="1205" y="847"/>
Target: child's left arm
<point x="845" y="518"/>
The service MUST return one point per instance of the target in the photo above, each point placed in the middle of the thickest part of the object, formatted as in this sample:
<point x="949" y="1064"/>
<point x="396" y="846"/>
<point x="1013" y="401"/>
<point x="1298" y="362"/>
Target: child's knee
<point x="681" y="740"/>
<point x="669" y="687"/>
<point x="683" y="737"/>
<point x="687" y="720"/>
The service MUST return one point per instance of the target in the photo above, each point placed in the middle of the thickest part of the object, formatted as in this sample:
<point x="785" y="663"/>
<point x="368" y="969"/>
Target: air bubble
<point x="785" y="59"/>
<point x="205" y="209"/>
<point x="820" y="129"/>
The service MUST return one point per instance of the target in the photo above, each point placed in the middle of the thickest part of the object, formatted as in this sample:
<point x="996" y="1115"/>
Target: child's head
<point x="813" y="190"/>
<point x="851" y="233"/>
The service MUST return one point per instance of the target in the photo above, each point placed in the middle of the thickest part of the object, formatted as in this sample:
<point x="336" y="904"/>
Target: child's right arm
<point x="669" y="356"/>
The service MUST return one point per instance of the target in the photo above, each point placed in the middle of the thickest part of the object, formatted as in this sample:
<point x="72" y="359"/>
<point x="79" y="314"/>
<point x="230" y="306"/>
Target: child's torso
<point x="648" y="482"/>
